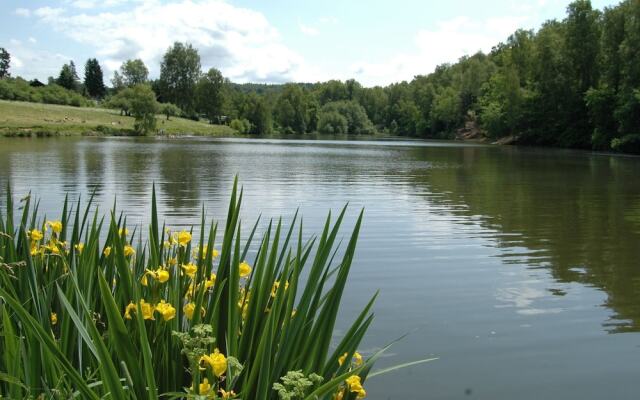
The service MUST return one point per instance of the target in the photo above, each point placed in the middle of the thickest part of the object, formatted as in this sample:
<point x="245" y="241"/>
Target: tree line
<point x="572" y="83"/>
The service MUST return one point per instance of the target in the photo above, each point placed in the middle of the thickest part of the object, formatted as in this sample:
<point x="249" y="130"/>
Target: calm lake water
<point x="518" y="268"/>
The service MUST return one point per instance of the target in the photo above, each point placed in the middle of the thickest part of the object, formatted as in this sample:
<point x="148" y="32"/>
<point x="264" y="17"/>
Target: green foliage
<point x="258" y="113"/>
<point x="209" y="94"/>
<point x="571" y="83"/>
<point x="292" y="109"/>
<point x="241" y="125"/>
<point x="344" y="117"/>
<point x="143" y="108"/>
<point x="295" y="385"/>
<point x="20" y="90"/>
<point x="332" y="122"/>
<point x="68" y="77"/>
<point x="179" y="74"/>
<point x="121" y="101"/>
<point x="169" y="110"/>
<point x="446" y="111"/>
<point x="83" y="313"/>
<point x="627" y="144"/>
<point x="140" y="102"/>
<point x="5" y="63"/>
<point x="501" y="102"/>
<point x="131" y="73"/>
<point x="93" y="80"/>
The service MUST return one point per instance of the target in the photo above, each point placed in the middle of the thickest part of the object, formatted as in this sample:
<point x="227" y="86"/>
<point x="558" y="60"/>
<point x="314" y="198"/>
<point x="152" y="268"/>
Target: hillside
<point x="36" y="119"/>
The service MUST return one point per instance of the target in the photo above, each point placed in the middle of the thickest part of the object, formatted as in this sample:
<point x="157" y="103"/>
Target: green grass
<point x="36" y="119"/>
<point x="110" y="338"/>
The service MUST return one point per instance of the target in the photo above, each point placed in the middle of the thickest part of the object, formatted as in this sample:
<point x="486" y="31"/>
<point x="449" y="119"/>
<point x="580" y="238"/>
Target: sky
<point x="376" y="42"/>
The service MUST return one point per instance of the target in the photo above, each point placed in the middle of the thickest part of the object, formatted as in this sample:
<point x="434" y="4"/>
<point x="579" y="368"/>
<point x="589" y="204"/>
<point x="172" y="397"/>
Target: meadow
<point x="38" y="119"/>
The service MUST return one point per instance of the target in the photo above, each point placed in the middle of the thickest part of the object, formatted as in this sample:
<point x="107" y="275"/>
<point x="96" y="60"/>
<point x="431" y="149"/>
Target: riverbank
<point x="36" y="119"/>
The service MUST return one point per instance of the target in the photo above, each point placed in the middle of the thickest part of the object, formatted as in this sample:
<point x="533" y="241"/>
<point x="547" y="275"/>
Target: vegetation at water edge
<point x="87" y="310"/>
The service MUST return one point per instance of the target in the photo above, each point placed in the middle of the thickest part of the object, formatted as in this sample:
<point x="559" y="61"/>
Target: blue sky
<point x="376" y="41"/>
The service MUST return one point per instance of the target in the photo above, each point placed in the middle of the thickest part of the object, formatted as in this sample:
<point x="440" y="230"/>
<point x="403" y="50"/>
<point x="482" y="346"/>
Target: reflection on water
<point x="514" y="266"/>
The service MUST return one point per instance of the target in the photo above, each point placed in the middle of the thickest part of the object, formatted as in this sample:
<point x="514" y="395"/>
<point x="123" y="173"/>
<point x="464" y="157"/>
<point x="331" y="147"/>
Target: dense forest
<point x="572" y="83"/>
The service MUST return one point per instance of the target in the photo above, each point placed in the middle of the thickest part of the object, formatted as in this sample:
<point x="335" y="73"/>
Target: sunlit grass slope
<point x="35" y="119"/>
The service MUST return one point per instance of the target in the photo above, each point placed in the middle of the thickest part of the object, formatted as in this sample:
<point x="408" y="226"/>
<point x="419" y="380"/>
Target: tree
<point x="93" y="80"/>
<point x="375" y="102"/>
<point x="241" y="125"/>
<point x="332" y="90"/>
<point x="628" y="111"/>
<point x="500" y="104"/>
<point x="143" y="108"/>
<point x="446" y="109"/>
<point x="36" y="83"/>
<point x="170" y="110"/>
<point x="68" y="77"/>
<point x="352" y="113"/>
<point x="121" y="101"/>
<point x="258" y="114"/>
<point x="291" y="109"/>
<point x="132" y="72"/>
<point x="332" y="122"/>
<point x="5" y="62"/>
<point x="209" y="94"/>
<point x="179" y="73"/>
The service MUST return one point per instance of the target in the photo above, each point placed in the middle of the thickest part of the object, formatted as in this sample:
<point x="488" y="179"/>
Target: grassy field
<point x="35" y="119"/>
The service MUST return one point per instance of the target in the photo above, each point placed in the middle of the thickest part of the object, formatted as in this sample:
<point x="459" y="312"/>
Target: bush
<point x="102" y="318"/>
<point x="241" y="125"/>
<point x="170" y="110"/>
<point x="353" y="113"/>
<point x="627" y="144"/>
<point x="20" y="90"/>
<point x="332" y="122"/>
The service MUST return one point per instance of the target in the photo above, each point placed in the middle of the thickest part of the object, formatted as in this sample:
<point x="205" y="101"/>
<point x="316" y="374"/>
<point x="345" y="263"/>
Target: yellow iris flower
<point x="147" y="310"/>
<point x="56" y="226"/>
<point x="167" y="311"/>
<point x="35" y="235"/>
<point x="245" y="269"/>
<point x="355" y="386"/>
<point x="190" y="269"/>
<point x="217" y="361"/>
<point x="184" y="238"/>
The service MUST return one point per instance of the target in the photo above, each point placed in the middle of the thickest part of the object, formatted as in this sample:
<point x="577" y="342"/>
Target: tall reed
<point x="87" y="312"/>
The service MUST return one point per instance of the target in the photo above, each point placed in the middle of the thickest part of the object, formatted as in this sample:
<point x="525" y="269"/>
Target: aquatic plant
<point x="88" y="311"/>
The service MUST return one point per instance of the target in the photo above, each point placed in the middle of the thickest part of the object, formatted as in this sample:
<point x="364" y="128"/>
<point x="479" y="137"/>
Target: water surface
<point x="518" y="268"/>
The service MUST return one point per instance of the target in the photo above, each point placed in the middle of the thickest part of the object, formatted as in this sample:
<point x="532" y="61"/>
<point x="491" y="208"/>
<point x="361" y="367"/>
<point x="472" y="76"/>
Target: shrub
<point x="170" y="110"/>
<point x="241" y="125"/>
<point x="627" y="144"/>
<point x="332" y="123"/>
<point x="353" y="113"/>
<point x="20" y="90"/>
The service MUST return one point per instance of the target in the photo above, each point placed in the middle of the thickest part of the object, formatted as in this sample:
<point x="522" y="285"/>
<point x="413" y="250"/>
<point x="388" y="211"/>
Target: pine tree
<point x="68" y="77"/>
<point x="93" y="79"/>
<point x="5" y="61"/>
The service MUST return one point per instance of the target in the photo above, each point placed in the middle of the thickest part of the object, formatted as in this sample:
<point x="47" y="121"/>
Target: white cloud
<point x="92" y="4"/>
<point x="450" y="40"/>
<point x="23" y="12"/>
<point x="32" y="40"/>
<point x="308" y="30"/>
<point x="48" y="12"/>
<point x="30" y="63"/>
<point x="240" y="42"/>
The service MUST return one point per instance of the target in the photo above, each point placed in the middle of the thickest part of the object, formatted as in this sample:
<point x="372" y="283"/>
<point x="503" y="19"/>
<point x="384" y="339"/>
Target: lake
<point x="518" y="267"/>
